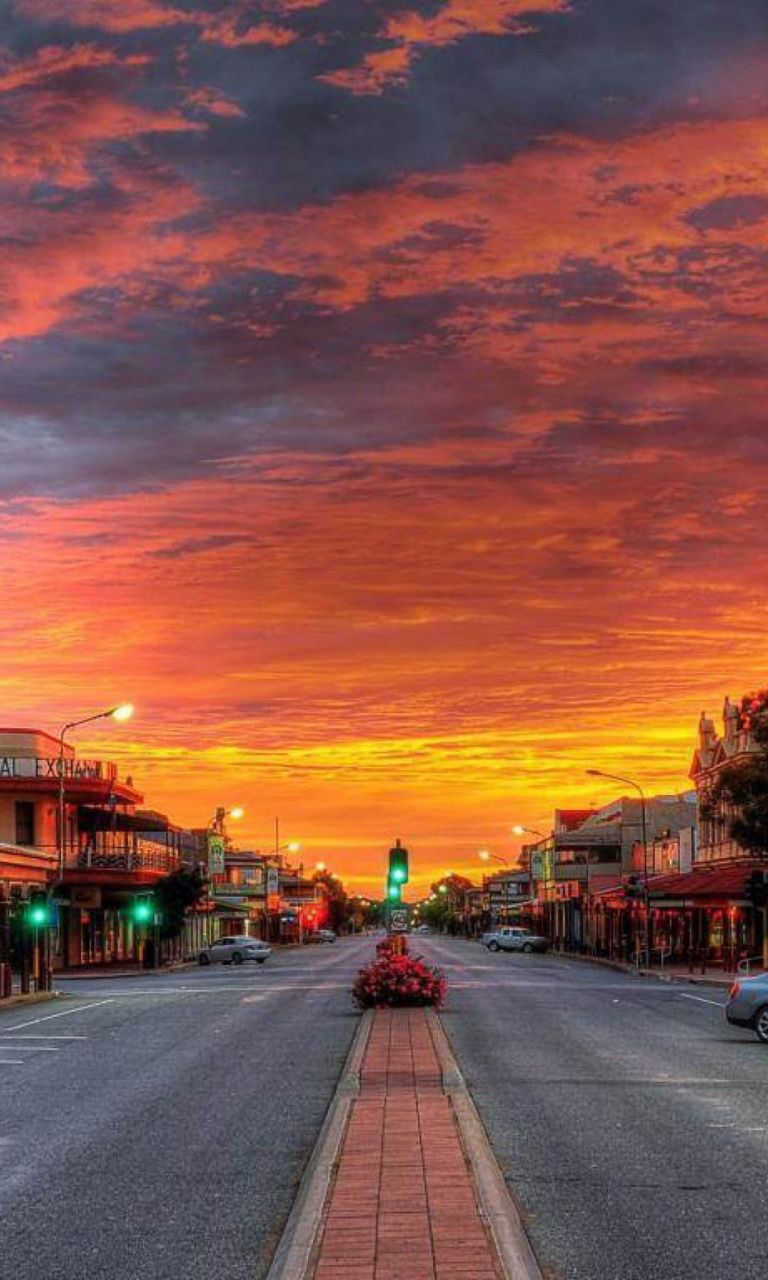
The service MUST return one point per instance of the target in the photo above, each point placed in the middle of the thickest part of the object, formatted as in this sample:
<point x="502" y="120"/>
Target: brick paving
<point x="403" y="1206"/>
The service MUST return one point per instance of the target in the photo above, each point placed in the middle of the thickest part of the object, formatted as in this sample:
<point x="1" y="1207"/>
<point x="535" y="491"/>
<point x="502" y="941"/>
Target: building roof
<point x="703" y="882"/>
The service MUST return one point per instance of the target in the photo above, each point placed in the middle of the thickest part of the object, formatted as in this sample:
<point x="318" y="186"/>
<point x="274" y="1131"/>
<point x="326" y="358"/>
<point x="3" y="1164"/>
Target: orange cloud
<point x="409" y="32"/>
<point x="228" y="27"/>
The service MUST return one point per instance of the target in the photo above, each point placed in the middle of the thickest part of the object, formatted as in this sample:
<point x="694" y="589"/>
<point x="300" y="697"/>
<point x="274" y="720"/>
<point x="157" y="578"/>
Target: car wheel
<point x="493" y="946"/>
<point x="761" y="1024"/>
<point x="261" y="960"/>
<point x="237" y="958"/>
<point x="527" y="948"/>
<point x="203" y="958"/>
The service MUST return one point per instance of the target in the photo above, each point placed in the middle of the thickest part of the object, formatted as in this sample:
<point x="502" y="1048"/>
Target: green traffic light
<point x="393" y="893"/>
<point x="38" y="916"/>
<point x="399" y="874"/>
<point x="142" y="912"/>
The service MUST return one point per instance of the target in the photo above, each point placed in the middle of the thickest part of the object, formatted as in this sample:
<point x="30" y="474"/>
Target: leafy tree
<point x="336" y="898"/>
<point x="175" y="895"/>
<point x="443" y="910"/>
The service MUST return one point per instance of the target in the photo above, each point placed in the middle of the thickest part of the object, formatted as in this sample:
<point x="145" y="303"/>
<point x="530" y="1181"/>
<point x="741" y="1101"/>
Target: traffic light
<point x="756" y="889"/>
<point x="398" y="864"/>
<point x="142" y="910"/>
<point x="38" y="913"/>
<point x="394" y="892"/>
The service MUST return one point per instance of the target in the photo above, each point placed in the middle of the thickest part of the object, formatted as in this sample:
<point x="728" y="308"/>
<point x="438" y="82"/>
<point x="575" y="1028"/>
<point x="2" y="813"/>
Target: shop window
<point x="25" y="822"/>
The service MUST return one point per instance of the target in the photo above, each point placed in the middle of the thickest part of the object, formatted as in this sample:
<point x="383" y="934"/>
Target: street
<point x="629" y="1119"/>
<point x="157" y="1126"/>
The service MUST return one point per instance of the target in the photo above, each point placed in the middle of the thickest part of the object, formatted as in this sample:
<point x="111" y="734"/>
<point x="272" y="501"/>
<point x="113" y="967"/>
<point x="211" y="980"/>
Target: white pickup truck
<point x="512" y="938"/>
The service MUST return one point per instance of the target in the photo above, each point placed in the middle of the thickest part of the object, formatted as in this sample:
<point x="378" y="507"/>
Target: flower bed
<point x="395" y="981"/>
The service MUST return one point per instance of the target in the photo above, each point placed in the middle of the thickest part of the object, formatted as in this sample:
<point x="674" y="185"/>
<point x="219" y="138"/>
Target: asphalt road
<point x="157" y="1127"/>
<point x="630" y="1120"/>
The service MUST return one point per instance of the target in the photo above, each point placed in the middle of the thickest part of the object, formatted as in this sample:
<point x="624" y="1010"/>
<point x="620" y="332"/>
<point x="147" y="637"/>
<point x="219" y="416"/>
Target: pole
<point x="647" y="893"/>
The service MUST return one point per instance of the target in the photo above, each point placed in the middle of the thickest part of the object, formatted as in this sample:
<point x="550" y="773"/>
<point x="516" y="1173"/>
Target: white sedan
<point x="234" y="950"/>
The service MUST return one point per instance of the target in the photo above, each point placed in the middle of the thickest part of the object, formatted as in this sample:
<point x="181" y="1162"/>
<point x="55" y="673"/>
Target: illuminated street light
<point x="528" y="831"/>
<point x="628" y="782"/>
<point x="485" y="855"/>
<point x="122" y="712"/>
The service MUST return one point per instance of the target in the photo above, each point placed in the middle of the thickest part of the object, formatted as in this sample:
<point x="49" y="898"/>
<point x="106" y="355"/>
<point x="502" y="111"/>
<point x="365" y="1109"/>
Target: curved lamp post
<point x="121" y="713"/>
<point x="629" y="782"/>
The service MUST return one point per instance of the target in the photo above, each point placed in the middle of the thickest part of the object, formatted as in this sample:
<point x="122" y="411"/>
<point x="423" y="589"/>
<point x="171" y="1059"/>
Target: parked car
<point x="321" y="935"/>
<point x="512" y="938"/>
<point x="234" y="950"/>
<point x="422" y="928"/>
<point x="748" y="1005"/>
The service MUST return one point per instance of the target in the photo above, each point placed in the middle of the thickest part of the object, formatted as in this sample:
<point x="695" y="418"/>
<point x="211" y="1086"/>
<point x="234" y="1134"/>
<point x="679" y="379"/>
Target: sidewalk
<point x="403" y="1203"/>
<point x="712" y="977"/>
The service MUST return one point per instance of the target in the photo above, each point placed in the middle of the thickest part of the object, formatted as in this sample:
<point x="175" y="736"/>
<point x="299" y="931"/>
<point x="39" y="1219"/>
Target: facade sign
<point x="55" y="767"/>
<point x="541" y="865"/>
<point x="87" y="897"/>
<point x="215" y="854"/>
<point x="273" y="880"/>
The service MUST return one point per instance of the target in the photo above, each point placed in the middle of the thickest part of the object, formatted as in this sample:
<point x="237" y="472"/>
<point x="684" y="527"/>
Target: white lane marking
<point x="65" y="1013"/>
<point x="31" y="1048"/>
<point x="11" y="1062"/>
<point x="40" y="1036"/>
<point x="702" y="1000"/>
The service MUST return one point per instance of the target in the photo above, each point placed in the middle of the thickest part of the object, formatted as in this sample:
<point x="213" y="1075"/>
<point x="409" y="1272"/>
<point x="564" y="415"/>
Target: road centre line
<point x="32" y="1048"/>
<point x="65" y="1013"/>
<point x="11" y="1062"/>
<point x="40" y="1036"/>
<point x="702" y="999"/>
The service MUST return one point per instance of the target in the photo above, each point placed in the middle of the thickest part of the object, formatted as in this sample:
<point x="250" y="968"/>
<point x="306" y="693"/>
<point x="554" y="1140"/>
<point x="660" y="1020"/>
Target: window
<point x="25" y="822"/>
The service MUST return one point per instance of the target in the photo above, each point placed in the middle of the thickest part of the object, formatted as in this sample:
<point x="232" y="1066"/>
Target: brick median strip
<point x="403" y="1202"/>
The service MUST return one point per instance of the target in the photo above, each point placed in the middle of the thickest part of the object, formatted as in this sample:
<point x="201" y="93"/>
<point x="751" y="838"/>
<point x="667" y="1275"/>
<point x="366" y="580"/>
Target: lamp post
<point x="486" y="856"/>
<point x="629" y="782"/>
<point x="122" y="712"/>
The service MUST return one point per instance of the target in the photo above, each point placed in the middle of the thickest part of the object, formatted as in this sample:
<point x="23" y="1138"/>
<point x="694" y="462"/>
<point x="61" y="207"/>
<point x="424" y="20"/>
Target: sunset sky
<point x="383" y="392"/>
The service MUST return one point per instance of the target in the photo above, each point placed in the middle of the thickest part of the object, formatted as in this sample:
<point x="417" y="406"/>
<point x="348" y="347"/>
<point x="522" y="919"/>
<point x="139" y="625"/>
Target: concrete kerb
<point x="32" y="997"/>
<point x="294" y="1255"/>
<point x="497" y="1205"/>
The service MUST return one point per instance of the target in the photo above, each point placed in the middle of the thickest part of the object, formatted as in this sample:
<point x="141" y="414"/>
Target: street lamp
<point x="485" y="855"/>
<point x="121" y="713"/>
<point x="517" y="830"/>
<point x="628" y="782"/>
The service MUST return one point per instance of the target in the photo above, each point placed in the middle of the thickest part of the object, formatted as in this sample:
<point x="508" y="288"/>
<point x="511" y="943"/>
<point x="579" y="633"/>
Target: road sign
<point x="398" y="919"/>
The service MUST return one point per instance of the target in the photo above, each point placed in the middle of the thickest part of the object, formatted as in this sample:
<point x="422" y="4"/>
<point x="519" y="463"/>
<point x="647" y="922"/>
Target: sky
<point x="382" y="402"/>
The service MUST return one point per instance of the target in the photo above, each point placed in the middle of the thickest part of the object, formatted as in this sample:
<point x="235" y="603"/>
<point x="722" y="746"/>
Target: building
<point x="579" y="871"/>
<point x="72" y="826"/>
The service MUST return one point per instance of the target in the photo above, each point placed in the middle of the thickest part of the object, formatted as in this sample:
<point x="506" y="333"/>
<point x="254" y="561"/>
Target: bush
<point x="398" y="982"/>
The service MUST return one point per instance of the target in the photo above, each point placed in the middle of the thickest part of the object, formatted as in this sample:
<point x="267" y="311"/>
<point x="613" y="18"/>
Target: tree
<point x="175" y="895"/>
<point x="336" y="898"/>
<point x="442" y="910"/>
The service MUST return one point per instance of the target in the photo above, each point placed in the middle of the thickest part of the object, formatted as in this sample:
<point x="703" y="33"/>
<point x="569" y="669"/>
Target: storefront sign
<point x="86" y="897"/>
<point x="215" y="855"/>
<point x="273" y="880"/>
<point x="54" y="767"/>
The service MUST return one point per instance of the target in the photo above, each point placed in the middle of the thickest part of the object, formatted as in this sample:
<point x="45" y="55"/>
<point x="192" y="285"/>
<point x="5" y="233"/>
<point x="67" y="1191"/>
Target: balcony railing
<point x="123" y="851"/>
